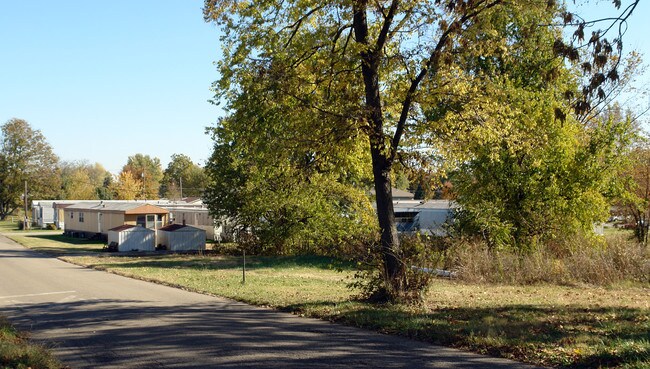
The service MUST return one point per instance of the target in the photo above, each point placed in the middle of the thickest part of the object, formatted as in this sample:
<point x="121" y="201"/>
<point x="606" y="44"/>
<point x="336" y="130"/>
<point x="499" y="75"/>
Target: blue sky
<point x="104" y="80"/>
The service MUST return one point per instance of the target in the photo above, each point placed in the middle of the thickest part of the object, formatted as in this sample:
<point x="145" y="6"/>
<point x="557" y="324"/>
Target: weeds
<point x="16" y="352"/>
<point x="606" y="262"/>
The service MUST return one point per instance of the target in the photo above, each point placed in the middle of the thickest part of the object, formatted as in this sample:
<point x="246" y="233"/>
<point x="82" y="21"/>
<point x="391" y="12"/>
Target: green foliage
<point x="560" y="185"/>
<point x="282" y="201"/>
<point x="522" y="172"/>
<point x="105" y="192"/>
<point x="84" y="181"/>
<point x="316" y="90"/>
<point x="183" y="178"/>
<point x="145" y="173"/>
<point x="25" y="156"/>
<point x="635" y="199"/>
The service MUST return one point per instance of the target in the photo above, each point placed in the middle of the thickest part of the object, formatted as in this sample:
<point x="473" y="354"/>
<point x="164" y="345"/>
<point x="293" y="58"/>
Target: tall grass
<point x="613" y="260"/>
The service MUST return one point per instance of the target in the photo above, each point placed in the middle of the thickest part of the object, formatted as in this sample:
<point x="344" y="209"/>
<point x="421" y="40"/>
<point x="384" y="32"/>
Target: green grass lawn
<point x="8" y="226"/>
<point x="11" y="226"/>
<point x="17" y="353"/>
<point x="57" y="244"/>
<point x="577" y="327"/>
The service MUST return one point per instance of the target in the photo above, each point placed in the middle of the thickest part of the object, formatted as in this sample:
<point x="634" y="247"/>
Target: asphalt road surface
<point x="93" y="319"/>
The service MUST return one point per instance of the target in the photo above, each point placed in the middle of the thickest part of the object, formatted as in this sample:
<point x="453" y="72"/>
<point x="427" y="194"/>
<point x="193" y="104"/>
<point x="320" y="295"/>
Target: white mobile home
<point x="426" y="217"/>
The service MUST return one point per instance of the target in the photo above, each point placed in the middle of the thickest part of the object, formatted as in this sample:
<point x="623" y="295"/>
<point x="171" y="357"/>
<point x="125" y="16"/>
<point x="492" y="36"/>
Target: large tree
<point x="126" y="187"/>
<point x="183" y="178"/>
<point x="26" y="159"/>
<point x="546" y="182"/>
<point x="81" y="180"/>
<point x="524" y="171"/>
<point x="374" y="71"/>
<point x="147" y="172"/>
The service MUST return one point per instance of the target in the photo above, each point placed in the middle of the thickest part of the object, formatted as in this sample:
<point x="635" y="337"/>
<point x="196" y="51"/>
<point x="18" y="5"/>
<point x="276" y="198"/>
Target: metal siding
<point x="186" y="240"/>
<point x="138" y="239"/>
<point x="113" y="237"/>
<point x="199" y="218"/>
<point x="162" y="238"/>
<point x="48" y="215"/>
<point x="74" y="224"/>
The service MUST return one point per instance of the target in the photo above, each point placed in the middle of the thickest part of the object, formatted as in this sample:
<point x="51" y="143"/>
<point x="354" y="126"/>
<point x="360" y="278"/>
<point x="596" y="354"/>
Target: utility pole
<point x="26" y="220"/>
<point x="144" y="186"/>
<point x="181" y="181"/>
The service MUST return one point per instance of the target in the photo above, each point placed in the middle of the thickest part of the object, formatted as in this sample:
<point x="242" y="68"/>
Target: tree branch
<point x="296" y="25"/>
<point x="432" y="63"/>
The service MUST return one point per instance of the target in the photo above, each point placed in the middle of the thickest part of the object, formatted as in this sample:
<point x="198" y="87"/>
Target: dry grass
<point x="17" y="353"/>
<point x="613" y="261"/>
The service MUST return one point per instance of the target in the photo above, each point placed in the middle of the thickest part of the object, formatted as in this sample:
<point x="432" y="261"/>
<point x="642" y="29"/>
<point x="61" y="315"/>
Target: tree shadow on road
<point x="570" y="336"/>
<point x="217" y="333"/>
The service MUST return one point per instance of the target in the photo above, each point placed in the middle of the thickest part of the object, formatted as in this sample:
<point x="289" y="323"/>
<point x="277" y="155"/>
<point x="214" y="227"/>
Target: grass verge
<point x="16" y="352"/>
<point x="577" y="327"/>
<point x="574" y="326"/>
<point x="8" y="225"/>
<point x="57" y="244"/>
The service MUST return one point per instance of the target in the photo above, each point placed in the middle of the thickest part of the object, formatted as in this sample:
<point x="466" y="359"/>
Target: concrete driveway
<point x="93" y="319"/>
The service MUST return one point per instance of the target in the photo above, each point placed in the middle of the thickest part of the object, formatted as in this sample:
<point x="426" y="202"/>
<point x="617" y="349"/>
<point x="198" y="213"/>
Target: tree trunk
<point x="381" y="155"/>
<point x="393" y="268"/>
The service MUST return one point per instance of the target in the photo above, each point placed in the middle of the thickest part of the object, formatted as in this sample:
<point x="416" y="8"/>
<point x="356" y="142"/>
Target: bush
<point x="227" y="248"/>
<point x="51" y="226"/>
<point x="419" y="257"/>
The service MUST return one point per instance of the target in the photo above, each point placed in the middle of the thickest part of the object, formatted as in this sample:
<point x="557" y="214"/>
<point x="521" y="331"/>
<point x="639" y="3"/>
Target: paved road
<point x="93" y="319"/>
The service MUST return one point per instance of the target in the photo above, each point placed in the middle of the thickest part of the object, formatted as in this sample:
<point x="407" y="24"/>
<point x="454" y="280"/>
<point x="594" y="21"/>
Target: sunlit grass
<point x="57" y="243"/>
<point x="8" y="225"/>
<point x="273" y="282"/>
<point x="566" y="326"/>
<point x="545" y="324"/>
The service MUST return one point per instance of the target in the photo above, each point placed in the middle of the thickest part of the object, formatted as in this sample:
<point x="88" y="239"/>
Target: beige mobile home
<point x="95" y="219"/>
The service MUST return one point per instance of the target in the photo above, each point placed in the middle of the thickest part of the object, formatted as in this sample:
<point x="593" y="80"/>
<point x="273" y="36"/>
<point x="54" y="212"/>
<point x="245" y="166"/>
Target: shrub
<point x="419" y="257"/>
